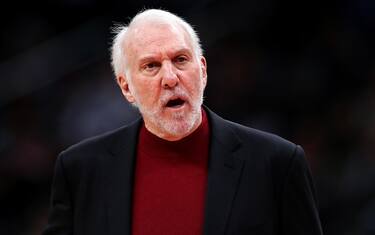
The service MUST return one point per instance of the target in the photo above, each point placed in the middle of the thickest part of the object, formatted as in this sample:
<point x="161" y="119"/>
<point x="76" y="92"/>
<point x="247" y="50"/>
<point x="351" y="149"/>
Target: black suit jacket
<point x="258" y="183"/>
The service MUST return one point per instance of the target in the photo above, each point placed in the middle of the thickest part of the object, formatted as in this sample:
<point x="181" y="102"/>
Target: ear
<point x="203" y="64"/>
<point x="124" y="85"/>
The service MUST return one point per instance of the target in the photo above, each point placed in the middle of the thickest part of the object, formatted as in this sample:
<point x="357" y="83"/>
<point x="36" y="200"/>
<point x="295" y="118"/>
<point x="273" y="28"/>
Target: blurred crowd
<point x="304" y="70"/>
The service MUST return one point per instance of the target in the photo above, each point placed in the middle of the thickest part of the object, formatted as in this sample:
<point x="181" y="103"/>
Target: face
<point x="165" y="79"/>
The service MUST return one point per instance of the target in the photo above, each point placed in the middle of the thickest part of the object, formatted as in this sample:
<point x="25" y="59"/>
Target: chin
<point x="179" y="125"/>
<point x="174" y="123"/>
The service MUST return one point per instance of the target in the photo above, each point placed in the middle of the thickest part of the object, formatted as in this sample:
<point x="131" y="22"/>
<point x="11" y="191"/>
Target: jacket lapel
<point x="224" y="171"/>
<point x="120" y="179"/>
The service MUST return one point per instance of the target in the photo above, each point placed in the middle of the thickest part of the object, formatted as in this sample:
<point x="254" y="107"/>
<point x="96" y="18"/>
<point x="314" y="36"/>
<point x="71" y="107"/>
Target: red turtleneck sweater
<point x="170" y="183"/>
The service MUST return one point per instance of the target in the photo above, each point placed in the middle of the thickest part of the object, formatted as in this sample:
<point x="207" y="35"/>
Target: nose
<point x="169" y="75"/>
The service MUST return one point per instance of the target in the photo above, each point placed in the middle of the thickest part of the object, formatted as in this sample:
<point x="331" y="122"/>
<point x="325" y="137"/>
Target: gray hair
<point x="118" y="51"/>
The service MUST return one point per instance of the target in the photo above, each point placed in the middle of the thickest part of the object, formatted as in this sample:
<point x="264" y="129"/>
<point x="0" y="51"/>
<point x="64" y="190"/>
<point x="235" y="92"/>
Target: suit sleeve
<point x="60" y="213"/>
<point x="299" y="214"/>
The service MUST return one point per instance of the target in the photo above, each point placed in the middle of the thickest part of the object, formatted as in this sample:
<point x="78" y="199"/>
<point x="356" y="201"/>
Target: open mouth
<point x="175" y="103"/>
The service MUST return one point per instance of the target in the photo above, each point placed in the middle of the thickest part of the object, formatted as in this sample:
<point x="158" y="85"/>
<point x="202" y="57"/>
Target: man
<point x="181" y="169"/>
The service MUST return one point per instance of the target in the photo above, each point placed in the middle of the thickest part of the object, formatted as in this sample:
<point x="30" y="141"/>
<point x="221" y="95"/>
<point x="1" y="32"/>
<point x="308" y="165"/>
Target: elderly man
<point x="180" y="169"/>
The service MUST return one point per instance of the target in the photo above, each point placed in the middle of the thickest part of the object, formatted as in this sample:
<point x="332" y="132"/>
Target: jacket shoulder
<point x="100" y="145"/>
<point x="267" y="149"/>
<point x="266" y="141"/>
<point x="255" y="144"/>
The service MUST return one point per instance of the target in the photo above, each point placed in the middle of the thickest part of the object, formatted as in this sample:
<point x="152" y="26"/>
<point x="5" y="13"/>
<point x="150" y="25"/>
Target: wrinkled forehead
<point x="157" y="35"/>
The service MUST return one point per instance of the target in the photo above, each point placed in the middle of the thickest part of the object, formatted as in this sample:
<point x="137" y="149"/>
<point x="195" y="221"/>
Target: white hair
<point x="118" y="51"/>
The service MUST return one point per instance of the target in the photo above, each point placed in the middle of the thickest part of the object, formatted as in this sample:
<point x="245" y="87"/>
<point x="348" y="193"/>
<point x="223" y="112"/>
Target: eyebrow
<point x="151" y="57"/>
<point x="183" y="51"/>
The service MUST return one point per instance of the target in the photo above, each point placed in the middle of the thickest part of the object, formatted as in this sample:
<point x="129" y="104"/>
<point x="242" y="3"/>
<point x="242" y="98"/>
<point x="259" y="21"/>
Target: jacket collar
<point x="120" y="179"/>
<point x="224" y="171"/>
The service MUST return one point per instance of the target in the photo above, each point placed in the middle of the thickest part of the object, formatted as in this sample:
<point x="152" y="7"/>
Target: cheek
<point x="197" y="83"/>
<point x="147" y="90"/>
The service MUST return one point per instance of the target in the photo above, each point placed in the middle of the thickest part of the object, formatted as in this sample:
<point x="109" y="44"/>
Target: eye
<point x="151" y="66"/>
<point x="181" y="59"/>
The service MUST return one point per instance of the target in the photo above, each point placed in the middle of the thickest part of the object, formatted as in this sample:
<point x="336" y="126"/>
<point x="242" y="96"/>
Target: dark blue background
<point x="304" y="70"/>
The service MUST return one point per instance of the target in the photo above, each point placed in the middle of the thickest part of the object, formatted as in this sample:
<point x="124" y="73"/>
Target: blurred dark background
<point x="304" y="70"/>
